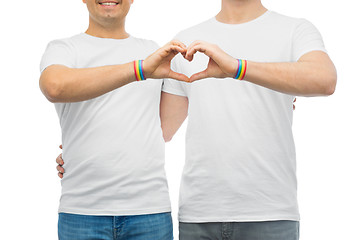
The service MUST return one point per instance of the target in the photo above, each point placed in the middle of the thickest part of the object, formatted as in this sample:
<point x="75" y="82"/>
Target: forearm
<point x="173" y="112"/>
<point x="313" y="74"/>
<point x="62" y="84"/>
<point x="302" y="78"/>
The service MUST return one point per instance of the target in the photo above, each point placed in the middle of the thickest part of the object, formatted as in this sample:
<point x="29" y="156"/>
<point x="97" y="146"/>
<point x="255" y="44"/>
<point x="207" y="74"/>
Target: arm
<point x="62" y="84"/>
<point x="173" y="112"/>
<point x="312" y="75"/>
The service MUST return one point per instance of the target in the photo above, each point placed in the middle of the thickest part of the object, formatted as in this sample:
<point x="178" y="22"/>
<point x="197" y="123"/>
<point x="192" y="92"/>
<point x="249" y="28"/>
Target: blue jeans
<point x="137" y="227"/>
<point x="271" y="230"/>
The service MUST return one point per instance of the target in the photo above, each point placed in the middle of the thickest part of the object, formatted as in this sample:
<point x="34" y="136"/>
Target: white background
<point x="326" y="129"/>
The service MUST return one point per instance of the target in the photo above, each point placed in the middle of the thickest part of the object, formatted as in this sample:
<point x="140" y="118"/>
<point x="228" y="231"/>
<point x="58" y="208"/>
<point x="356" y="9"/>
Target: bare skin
<point x="63" y="84"/>
<point x="313" y="75"/>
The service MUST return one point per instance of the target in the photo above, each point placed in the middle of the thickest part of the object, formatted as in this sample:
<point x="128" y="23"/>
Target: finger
<point x="198" y="48"/>
<point x="178" y="49"/>
<point x="192" y="50"/>
<point x="173" y="49"/>
<point x="178" y="76"/>
<point x="183" y="54"/>
<point x="60" y="146"/>
<point x="60" y="175"/>
<point x="199" y="75"/>
<point x="191" y="46"/>
<point x="178" y="43"/>
<point x="60" y="169"/>
<point x="195" y="43"/>
<point x="59" y="160"/>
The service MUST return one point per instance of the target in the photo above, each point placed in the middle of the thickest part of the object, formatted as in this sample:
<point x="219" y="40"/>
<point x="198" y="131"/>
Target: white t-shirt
<point x="240" y="154"/>
<point x="112" y="145"/>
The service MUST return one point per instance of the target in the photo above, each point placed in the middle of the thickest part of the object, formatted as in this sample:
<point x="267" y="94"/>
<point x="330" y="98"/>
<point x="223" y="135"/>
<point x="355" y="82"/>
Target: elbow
<point x="167" y="138"/>
<point x="324" y="85"/>
<point x="167" y="135"/>
<point x="330" y="80"/>
<point x="52" y="93"/>
<point x="330" y="87"/>
<point x="330" y="90"/>
<point x="51" y="89"/>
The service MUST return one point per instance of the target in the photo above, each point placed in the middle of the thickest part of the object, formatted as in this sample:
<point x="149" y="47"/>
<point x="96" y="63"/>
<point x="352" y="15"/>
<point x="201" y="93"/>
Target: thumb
<point x="199" y="75"/>
<point x="178" y="76"/>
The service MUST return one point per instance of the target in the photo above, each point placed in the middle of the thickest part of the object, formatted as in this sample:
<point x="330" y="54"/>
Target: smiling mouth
<point x="108" y="3"/>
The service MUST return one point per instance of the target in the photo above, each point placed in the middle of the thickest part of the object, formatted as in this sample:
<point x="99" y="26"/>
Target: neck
<point x="240" y="11"/>
<point x="107" y="30"/>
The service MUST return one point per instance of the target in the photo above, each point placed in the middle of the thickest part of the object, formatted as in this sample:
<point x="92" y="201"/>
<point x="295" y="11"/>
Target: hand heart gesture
<point x="157" y="65"/>
<point x="221" y="65"/>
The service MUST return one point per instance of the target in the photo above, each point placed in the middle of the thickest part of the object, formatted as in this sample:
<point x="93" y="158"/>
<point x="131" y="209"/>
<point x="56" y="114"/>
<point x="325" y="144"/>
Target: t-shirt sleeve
<point x="58" y="52"/>
<point x="174" y="86"/>
<point x="306" y="38"/>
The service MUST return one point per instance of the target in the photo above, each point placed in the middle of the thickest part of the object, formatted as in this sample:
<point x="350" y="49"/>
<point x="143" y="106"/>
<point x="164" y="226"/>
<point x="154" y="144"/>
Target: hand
<point x="294" y="103"/>
<point x="157" y="65"/>
<point x="60" y="162"/>
<point x="221" y="64"/>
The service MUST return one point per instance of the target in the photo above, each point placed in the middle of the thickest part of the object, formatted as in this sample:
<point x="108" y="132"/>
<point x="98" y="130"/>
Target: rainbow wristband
<point x="242" y="65"/>
<point x="138" y="69"/>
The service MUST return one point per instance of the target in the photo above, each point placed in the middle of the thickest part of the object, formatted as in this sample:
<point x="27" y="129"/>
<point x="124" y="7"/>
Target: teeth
<point x="108" y="4"/>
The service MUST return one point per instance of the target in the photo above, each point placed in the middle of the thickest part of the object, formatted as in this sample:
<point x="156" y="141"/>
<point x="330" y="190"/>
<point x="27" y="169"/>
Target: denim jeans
<point x="137" y="227"/>
<point x="271" y="230"/>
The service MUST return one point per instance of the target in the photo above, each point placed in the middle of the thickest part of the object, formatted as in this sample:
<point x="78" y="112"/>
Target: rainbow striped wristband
<point x="138" y="69"/>
<point x="242" y="65"/>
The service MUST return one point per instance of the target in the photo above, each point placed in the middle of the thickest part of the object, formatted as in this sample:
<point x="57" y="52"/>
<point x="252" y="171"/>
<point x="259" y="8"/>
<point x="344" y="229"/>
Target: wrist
<point x="145" y="69"/>
<point x="234" y="68"/>
<point x="139" y="70"/>
<point x="241" y="69"/>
